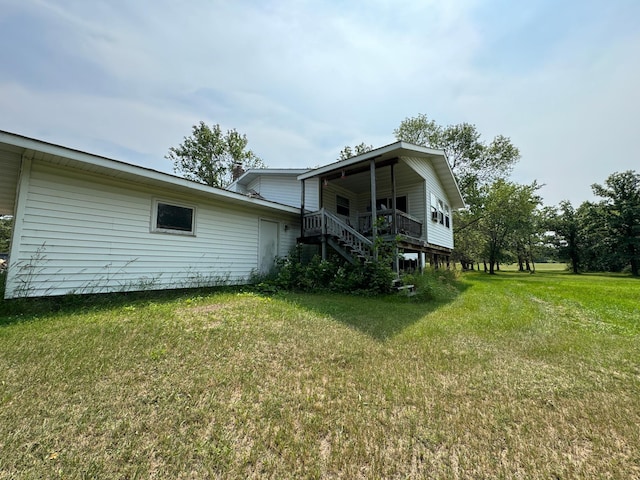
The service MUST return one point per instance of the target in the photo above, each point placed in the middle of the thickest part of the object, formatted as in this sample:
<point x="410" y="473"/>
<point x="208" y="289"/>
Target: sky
<point x="302" y="79"/>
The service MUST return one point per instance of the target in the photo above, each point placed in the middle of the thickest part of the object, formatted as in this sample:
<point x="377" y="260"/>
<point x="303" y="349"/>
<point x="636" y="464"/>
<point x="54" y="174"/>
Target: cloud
<point x="302" y="79"/>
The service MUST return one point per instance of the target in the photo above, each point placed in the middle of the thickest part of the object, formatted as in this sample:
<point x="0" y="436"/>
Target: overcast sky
<point x="127" y="79"/>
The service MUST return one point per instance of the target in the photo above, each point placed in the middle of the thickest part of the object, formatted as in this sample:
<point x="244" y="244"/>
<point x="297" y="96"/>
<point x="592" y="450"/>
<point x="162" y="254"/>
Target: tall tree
<point x="507" y="211"/>
<point x="621" y="204"/>
<point x="473" y="162"/>
<point x="566" y="225"/>
<point x="209" y="156"/>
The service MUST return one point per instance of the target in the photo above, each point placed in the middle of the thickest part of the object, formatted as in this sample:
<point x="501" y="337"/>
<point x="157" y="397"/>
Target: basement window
<point x="172" y="218"/>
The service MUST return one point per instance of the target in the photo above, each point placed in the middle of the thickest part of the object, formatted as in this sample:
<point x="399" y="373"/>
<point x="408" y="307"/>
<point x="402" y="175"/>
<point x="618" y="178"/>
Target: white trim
<point x="154" y="217"/>
<point x="398" y="148"/>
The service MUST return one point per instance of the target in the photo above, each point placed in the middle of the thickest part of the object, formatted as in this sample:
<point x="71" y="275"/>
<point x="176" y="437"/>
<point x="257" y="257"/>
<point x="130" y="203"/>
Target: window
<point x="434" y="208"/>
<point x="342" y="206"/>
<point x="171" y="218"/>
<point x="401" y="203"/>
<point x="447" y="216"/>
<point x="441" y="212"/>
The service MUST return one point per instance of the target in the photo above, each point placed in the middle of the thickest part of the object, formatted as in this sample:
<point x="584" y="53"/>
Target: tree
<point x="508" y="210"/>
<point x="209" y="156"/>
<point x="473" y="162"/>
<point x="565" y="223"/>
<point x="475" y="165"/>
<point x="621" y="206"/>
<point x="347" y="152"/>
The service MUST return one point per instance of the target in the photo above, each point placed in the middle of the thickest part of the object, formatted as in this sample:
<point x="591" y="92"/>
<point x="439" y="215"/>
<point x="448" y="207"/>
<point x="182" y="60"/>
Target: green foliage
<point x="507" y="214"/>
<point x="209" y="156"/>
<point x="565" y="223"/>
<point x="602" y="236"/>
<point x="348" y="152"/>
<point x="434" y="284"/>
<point x="6" y="224"/>
<point x="475" y="164"/>
<point x="473" y="161"/>
<point x="621" y="208"/>
<point x="369" y="278"/>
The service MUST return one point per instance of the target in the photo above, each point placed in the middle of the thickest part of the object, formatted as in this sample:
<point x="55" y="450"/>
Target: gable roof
<point x="400" y="149"/>
<point x="56" y="154"/>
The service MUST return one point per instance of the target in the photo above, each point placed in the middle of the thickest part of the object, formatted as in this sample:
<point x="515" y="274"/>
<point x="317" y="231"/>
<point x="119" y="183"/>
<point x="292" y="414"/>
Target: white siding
<point x="84" y="233"/>
<point x="437" y="234"/>
<point x="286" y="189"/>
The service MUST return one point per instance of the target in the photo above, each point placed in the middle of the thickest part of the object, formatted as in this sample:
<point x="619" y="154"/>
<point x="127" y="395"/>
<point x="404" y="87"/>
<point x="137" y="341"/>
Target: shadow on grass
<point x="381" y="317"/>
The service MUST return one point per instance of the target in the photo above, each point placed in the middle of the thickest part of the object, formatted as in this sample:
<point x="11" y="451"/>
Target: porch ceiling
<point x="358" y="181"/>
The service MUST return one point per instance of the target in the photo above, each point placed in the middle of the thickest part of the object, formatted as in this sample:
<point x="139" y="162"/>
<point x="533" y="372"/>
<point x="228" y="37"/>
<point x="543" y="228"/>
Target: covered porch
<point x="366" y="202"/>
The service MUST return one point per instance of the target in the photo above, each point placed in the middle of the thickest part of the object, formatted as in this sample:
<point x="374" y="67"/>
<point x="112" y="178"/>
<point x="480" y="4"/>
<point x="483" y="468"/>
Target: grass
<point x="517" y="376"/>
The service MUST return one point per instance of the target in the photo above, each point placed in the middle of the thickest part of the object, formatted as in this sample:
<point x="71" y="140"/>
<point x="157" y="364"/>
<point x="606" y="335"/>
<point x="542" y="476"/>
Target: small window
<point x="447" y="216"/>
<point x="171" y="218"/>
<point x="441" y="212"/>
<point x="342" y="206"/>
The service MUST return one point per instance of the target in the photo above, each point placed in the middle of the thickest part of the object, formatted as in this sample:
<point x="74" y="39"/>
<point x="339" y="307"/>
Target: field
<point x="505" y="376"/>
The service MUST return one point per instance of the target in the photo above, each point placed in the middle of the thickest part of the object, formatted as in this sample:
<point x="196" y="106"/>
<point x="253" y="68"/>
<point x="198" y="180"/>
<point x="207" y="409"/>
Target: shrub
<point x="289" y="273"/>
<point x="434" y="284"/>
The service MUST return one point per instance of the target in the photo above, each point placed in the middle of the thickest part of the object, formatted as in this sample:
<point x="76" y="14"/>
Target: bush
<point x="369" y="278"/>
<point x="434" y="284"/>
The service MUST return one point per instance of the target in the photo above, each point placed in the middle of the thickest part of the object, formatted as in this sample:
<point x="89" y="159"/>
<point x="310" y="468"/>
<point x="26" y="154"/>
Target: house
<point x="410" y="188"/>
<point x="88" y="224"/>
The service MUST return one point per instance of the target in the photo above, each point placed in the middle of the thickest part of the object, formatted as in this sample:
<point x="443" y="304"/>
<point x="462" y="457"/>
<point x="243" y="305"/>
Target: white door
<point x="268" y="245"/>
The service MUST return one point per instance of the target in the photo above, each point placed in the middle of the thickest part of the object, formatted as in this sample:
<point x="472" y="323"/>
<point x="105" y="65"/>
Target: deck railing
<point x="326" y="223"/>
<point x="405" y="223"/>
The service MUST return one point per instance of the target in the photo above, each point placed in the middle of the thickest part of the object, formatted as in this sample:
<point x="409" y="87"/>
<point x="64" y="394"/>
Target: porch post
<point x="374" y="216"/>
<point x="302" y="211"/>
<point x="394" y="220"/>
<point x="323" y="229"/>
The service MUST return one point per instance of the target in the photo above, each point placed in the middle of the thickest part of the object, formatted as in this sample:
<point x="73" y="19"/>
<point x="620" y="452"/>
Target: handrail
<point x="326" y="223"/>
<point x="405" y="223"/>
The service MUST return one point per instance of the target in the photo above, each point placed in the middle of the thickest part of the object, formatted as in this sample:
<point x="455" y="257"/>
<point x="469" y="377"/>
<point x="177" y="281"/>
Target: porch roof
<point x="393" y="151"/>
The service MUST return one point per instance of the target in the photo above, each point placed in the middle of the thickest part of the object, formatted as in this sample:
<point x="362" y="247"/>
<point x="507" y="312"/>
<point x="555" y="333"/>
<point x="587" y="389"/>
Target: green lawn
<point x="517" y="376"/>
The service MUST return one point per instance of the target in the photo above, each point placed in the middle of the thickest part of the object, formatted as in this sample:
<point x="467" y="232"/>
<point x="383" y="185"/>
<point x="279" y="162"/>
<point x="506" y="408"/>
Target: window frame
<point x="340" y="205"/>
<point x="440" y="212"/>
<point x="172" y="231"/>
<point x="389" y="203"/>
<point x="434" y="207"/>
<point x="447" y="216"/>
